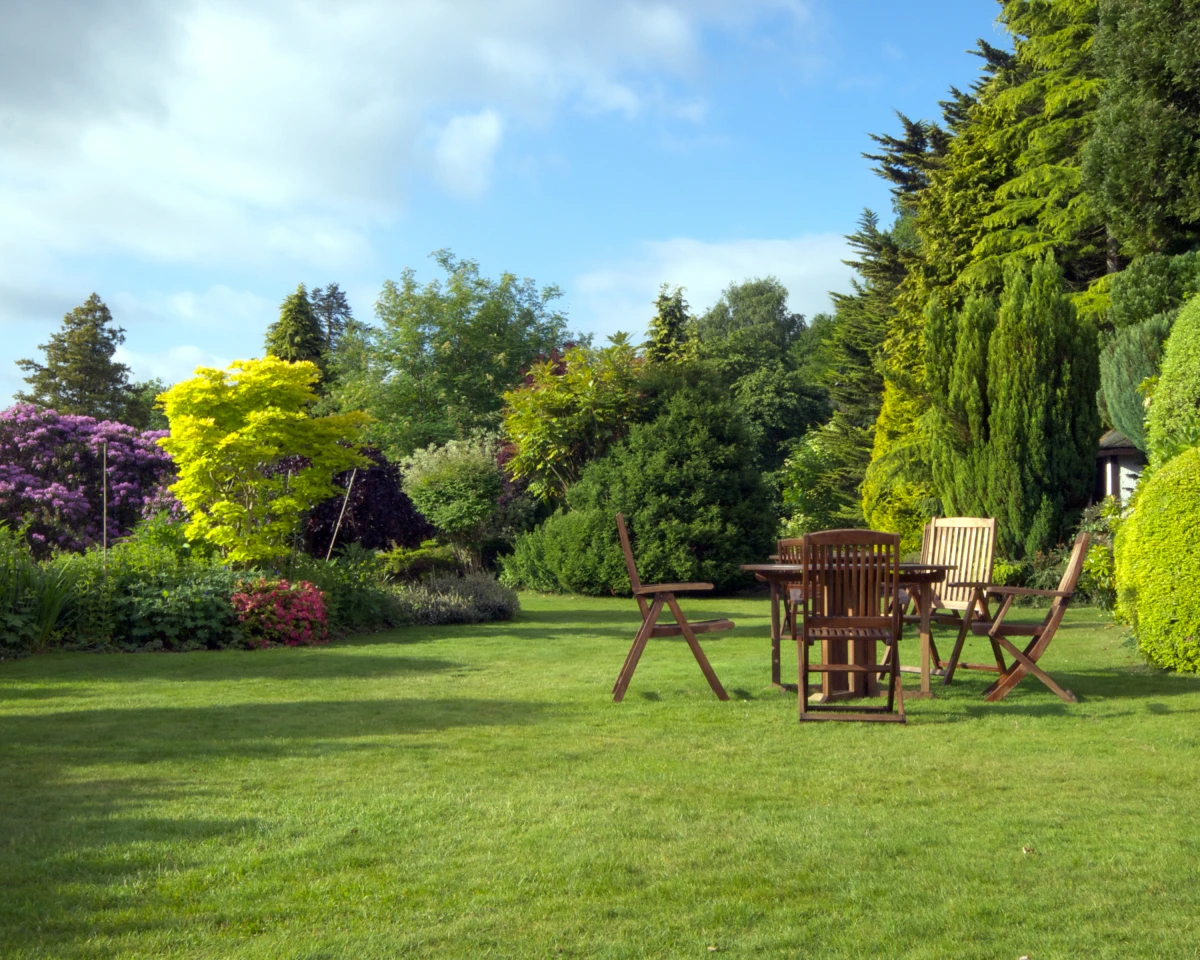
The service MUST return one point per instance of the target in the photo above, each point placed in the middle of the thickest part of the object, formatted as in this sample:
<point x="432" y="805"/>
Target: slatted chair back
<point x="849" y="586"/>
<point x="968" y="546"/>
<point x="634" y="581"/>
<point x="789" y="550"/>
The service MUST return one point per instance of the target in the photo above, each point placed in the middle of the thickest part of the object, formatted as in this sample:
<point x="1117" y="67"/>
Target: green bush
<point x="1158" y="565"/>
<point x="690" y="489"/>
<point x="1151" y="285"/>
<point x="1132" y="355"/>
<point x="429" y="559"/>
<point x="475" y="598"/>
<point x="146" y="595"/>
<point x="1176" y="400"/>
<point x="356" y="601"/>
<point x="34" y="599"/>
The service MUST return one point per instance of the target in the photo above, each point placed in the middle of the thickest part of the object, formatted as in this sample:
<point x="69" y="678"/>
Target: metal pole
<point x="342" y="513"/>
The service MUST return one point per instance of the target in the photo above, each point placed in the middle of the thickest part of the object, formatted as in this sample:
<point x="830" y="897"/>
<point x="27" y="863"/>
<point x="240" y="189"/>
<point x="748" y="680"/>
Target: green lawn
<point x="472" y="792"/>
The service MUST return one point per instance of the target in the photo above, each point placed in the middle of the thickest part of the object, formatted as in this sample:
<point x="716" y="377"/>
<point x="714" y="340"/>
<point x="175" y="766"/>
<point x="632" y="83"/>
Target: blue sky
<point x="193" y="162"/>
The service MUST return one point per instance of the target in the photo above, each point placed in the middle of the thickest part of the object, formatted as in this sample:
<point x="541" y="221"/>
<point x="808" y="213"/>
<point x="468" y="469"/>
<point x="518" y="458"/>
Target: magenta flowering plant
<point x="50" y="476"/>
<point x="275" y="611"/>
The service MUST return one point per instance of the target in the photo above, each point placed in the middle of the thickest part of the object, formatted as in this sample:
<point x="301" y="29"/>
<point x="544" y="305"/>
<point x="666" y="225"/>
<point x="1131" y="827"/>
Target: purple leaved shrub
<point x="50" y="477"/>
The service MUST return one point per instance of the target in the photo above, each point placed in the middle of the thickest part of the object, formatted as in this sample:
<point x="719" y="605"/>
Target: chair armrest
<point x="671" y="588"/>
<point x="1010" y="591"/>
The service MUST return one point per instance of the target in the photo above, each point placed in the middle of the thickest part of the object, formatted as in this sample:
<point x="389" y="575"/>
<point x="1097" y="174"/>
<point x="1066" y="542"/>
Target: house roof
<point x="1116" y="444"/>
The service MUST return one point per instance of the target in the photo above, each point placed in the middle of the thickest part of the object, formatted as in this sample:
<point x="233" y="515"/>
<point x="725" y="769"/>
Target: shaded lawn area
<point x="472" y="792"/>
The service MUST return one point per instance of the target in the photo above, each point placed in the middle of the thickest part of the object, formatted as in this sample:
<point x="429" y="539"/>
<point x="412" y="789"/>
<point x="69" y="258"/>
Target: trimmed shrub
<point x="275" y="611"/>
<point x="1158" y="565"/>
<point x="575" y="552"/>
<point x="1175" y="405"/>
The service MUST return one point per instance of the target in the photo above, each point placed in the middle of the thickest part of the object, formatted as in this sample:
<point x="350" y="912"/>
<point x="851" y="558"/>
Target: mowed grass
<point x="473" y="792"/>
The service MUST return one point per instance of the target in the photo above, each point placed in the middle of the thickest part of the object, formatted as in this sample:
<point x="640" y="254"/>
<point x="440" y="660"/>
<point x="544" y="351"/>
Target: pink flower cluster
<point x="50" y="476"/>
<point x="275" y="611"/>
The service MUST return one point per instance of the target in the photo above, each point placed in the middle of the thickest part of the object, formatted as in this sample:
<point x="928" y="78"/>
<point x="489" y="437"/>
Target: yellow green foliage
<point x="896" y="497"/>
<point x="251" y="457"/>
<point x="1158" y="563"/>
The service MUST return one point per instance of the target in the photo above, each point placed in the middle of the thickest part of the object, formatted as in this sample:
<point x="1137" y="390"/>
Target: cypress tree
<point x="1043" y="425"/>
<point x="297" y="334"/>
<point x="1133" y="354"/>
<point x="79" y="375"/>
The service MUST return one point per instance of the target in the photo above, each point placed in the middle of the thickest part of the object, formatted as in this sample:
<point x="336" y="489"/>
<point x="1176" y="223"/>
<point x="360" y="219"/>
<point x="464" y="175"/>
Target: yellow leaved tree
<point x="251" y="457"/>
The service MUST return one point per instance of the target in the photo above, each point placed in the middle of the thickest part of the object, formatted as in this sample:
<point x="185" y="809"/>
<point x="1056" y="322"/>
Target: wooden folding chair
<point x="849" y="592"/>
<point x="999" y="631"/>
<point x="968" y="546"/>
<point x="660" y="595"/>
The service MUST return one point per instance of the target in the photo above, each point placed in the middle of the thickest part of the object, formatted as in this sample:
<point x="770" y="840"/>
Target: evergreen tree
<point x="297" y="334"/>
<point x="1133" y="354"/>
<point x="332" y="311"/>
<point x="1042" y="373"/>
<point x="1144" y="161"/>
<point x="672" y="331"/>
<point x="79" y="374"/>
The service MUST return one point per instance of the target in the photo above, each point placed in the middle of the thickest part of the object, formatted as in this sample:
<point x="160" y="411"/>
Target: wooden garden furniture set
<point x="848" y="591"/>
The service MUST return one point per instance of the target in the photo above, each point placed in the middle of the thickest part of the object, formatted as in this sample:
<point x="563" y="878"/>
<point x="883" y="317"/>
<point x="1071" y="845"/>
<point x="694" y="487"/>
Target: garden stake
<point x="104" y="506"/>
<point x="341" y="513"/>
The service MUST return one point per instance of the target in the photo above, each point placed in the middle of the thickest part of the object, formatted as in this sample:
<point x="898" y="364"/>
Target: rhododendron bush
<point x="275" y="611"/>
<point x="50" y="476"/>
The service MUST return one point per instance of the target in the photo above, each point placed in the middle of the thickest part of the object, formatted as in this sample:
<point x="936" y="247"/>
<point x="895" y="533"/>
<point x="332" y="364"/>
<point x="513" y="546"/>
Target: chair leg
<point x="635" y="652"/>
<point x="897" y="685"/>
<point x="705" y="667"/>
<point x="802" y="685"/>
<point x="1022" y="663"/>
<point x="956" y="653"/>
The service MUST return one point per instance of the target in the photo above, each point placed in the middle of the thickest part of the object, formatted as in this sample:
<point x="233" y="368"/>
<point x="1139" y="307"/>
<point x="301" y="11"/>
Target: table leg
<point x="775" y="634"/>
<point x="926" y="593"/>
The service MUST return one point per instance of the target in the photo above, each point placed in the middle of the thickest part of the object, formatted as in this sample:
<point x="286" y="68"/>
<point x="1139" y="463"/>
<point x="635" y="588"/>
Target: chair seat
<point x="850" y="633"/>
<point x="698" y="626"/>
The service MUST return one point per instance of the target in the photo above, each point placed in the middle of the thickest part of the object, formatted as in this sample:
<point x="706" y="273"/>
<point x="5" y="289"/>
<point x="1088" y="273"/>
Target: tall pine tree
<point x="79" y="374"/>
<point x="332" y="311"/>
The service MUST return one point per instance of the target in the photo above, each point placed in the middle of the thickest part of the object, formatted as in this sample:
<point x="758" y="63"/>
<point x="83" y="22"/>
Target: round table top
<point x="909" y="572"/>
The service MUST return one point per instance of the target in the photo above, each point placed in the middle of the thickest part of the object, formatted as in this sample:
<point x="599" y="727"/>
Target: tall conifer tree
<point x="79" y="374"/>
<point x="297" y="334"/>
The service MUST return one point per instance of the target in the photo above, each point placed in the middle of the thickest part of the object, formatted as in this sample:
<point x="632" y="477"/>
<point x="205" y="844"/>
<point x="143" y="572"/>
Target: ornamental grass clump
<point x="275" y="611"/>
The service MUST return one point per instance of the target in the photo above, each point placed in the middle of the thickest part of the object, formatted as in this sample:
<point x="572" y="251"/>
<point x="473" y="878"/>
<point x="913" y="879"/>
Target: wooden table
<point x="918" y="579"/>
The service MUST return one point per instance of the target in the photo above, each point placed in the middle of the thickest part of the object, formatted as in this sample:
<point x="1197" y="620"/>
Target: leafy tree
<point x="1143" y="164"/>
<point x="749" y="318"/>
<point x="457" y="487"/>
<point x="437" y="366"/>
<point x="378" y="514"/>
<point x="672" y="329"/>
<point x="1042" y="424"/>
<point x="1151" y="285"/>
<point x="79" y="375"/>
<point x="687" y="484"/>
<point x="252" y="459"/>
<point x="297" y="335"/>
<point x="1130" y="357"/>
<point x="332" y="310"/>
<point x="569" y="411"/>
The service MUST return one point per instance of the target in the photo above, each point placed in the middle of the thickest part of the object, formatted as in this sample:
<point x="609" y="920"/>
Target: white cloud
<point x="465" y="151"/>
<point x="250" y="132"/>
<point x="620" y="296"/>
